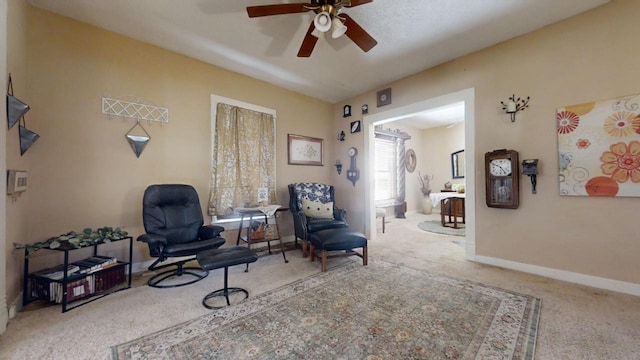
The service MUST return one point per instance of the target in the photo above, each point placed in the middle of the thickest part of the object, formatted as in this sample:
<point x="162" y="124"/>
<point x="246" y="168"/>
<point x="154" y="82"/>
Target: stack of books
<point x="81" y="280"/>
<point x="95" y="263"/>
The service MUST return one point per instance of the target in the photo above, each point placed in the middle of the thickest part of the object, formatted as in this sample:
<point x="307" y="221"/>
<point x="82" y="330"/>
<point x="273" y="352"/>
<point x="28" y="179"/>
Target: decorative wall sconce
<point x="341" y="136"/>
<point x="514" y="105"/>
<point x="338" y="166"/>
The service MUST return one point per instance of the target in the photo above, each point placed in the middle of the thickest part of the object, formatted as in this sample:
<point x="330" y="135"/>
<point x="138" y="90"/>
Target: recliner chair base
<point x="155" y="280"/>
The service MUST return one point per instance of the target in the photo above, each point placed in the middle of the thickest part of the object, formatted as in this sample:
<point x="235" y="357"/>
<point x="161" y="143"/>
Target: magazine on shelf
<point x="57" y="272"/>
<point x="95" y="263"/>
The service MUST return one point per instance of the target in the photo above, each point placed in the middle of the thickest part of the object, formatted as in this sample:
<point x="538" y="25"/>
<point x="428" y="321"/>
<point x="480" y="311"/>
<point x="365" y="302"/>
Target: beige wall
<point x="17" y="211"/>
<point x="83" y="172"/>
<point x="436" y="148"/>
<point x="589" y="57"/>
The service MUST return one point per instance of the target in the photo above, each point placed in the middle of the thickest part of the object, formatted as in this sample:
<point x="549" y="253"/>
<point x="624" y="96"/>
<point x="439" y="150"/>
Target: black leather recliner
<point x="304" y="225"/>
<point x="173" y="223"/>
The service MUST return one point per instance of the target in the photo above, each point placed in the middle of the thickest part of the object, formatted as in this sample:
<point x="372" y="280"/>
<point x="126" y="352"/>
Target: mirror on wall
<point x="457" y="164"/>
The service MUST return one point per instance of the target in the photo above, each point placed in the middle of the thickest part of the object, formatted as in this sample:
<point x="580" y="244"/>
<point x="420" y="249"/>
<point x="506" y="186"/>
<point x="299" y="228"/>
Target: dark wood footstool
<point x="340" y="241"/>
<point x="225" y="257"/>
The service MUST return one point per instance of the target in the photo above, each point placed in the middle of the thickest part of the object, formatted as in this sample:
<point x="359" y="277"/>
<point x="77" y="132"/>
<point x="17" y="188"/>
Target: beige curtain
<point x="243" y="159"/>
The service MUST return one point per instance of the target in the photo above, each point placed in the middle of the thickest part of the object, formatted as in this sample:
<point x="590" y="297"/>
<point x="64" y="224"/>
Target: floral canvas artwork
<point x="599" y="148"/>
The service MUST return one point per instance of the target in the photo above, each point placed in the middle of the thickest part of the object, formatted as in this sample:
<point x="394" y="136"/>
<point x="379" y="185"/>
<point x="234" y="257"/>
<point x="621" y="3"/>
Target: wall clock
<point x="502" y="179"/>
<point x="355" y="126"/>
<point x="384" y="97"/>
<point x="353" y="174"/>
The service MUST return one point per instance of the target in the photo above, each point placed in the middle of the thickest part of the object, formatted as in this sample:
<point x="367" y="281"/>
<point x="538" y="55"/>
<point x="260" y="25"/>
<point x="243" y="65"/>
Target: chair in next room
<point x="173" y="222"/>
<point x="314" y="209"/>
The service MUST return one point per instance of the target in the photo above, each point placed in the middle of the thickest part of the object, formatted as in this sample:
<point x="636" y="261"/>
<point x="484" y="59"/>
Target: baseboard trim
<point x="4" y="314"/>
<point x="568" y="276"/>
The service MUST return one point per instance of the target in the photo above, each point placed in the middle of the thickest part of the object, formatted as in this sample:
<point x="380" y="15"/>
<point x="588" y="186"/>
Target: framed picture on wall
<point x="304" y="150"/>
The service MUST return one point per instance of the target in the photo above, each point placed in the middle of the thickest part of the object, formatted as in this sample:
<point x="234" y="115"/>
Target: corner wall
<point x="83" y="172"/>
<point x="571" y="62"/>
<point x="14" y="221"/>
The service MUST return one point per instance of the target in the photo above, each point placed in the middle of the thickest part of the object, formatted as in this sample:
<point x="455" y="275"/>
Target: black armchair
<point x="173" y="223"/>
<point x="308" y="221"/>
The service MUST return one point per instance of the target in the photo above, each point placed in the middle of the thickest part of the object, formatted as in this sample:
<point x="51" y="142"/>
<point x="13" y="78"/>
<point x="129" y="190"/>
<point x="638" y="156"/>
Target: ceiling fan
<point x="328" y="19"/>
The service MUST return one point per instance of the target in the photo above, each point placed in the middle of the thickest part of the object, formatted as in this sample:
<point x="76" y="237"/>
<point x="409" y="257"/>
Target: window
<point x="386" y="170"/>
<point x="243" y="170"/>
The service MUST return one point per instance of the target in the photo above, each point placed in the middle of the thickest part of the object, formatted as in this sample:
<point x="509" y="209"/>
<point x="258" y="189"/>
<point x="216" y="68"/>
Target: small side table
<point x="450" y="209"/>
<point x="250" y="214"/>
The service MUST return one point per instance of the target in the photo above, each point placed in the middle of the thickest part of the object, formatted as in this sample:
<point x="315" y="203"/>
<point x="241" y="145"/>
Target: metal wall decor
<point x="135" y="110"/>
<point x="16" y="108"/>
<point x="27" y="138"/>
<point x="137" y="141"/>
<point x="514" y="105"/>
<point x="15" y="114"/>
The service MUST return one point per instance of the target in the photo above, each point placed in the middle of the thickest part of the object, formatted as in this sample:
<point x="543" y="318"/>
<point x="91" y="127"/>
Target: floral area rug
<point x="381" y="311"/>
<point x="435" y="226"/>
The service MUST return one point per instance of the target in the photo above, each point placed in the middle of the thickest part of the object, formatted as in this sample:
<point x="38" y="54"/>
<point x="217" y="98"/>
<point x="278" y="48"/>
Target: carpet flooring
<point x="435" y="226"/>
<point x="576" y="322"/>
<point x="381" y="311"/>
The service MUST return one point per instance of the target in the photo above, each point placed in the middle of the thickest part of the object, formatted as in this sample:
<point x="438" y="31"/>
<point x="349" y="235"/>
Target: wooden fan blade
<point x="308" y="43"/>
<point x="353" y="3"/>
<point x="277" y="9"/>
<point x="357" y="34"/>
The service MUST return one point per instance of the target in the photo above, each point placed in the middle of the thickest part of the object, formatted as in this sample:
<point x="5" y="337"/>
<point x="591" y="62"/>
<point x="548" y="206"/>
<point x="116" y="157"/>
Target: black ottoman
<point x="337" y="240"/>
<point x="225" y="257"/>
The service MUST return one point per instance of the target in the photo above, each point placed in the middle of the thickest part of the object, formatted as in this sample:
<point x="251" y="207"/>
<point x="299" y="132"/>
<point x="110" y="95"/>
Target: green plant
<point x="86" y="237"/>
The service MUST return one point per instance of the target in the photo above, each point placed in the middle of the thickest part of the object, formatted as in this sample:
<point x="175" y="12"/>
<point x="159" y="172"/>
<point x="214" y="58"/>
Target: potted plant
<point x="425" y="188"/>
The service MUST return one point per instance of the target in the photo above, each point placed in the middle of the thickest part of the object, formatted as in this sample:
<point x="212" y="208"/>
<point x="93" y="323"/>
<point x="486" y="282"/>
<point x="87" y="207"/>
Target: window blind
<point x="386" y="169"/>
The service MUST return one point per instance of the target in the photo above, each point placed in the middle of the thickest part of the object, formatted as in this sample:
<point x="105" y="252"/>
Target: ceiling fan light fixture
<point x="322" y="21"/>
<point x="337" y="28"/>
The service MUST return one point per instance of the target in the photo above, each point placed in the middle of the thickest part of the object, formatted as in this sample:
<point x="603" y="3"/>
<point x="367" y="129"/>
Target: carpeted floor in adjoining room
<point x="576" y="322"/>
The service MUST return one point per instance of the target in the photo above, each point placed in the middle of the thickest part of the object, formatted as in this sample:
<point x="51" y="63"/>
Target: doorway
<point x="467" y="97"/>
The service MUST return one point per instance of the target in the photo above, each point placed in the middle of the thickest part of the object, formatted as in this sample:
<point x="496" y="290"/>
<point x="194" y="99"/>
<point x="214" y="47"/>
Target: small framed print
<point x="263" y="195"/>
<point x="355" y="126"/>
<point x="365" y="109"/>
<point x="346" y="111"/>
<point x="304" y="150"/>
<point x="384" y="97"/>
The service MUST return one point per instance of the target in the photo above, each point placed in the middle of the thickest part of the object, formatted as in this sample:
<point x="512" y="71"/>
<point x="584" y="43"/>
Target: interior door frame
<point x="369" y="121"/>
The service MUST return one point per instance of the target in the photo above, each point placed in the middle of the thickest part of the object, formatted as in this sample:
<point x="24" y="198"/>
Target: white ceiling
<point x="412" y="35"/>
<point x="447" y="115"/>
